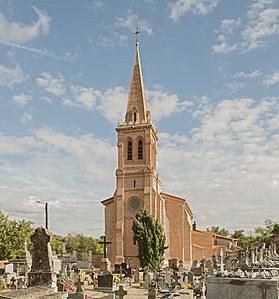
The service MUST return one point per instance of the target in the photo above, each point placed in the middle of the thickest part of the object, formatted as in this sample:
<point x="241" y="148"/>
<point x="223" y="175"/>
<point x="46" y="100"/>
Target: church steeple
<point x="136" y="111"/>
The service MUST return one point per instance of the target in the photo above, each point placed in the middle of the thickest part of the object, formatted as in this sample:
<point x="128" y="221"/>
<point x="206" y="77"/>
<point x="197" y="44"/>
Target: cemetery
<point x="247" y="273"/>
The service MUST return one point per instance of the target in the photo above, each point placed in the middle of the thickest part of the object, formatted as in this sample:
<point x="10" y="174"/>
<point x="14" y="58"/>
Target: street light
<point x="46" y="210"/>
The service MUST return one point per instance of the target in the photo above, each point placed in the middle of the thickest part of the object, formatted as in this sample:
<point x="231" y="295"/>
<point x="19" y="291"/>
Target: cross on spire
<point x="137" y="35"/>
<point x="105" y="243"/>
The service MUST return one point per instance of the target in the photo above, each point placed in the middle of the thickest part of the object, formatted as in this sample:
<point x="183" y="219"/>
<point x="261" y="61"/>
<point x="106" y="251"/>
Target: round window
<point x="134" y="203"/>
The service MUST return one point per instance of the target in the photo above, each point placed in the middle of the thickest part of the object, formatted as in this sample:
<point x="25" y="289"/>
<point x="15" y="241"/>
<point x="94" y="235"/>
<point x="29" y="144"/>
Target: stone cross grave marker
<point x="176" y="279"/>
<point x="105" y="243"/>
<point x="120" y="293"/>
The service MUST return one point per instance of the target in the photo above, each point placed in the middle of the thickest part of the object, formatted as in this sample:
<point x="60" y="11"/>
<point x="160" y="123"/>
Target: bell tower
<point x="137" y="181"/>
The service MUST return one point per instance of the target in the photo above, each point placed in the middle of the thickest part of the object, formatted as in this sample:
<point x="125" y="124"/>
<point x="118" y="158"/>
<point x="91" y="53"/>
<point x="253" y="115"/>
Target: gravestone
<point x="147" y="280"/>
<point x="20" y="283"/>
<point x="41" y="270"/>
<point x="209" y="266"/>
<point x="191" y="278"/>
<point x="167" y="276"/>
<point x="220" y="268"/>
<point x="105" y="282"/>
<point x="180" y="267"/>
<point x="64" y="251"/>
<point x="173" y="264"/>
<point x="90" y="258"/>
<point x="60" y="287"/>
<point x="13" y="285"/>
<point x="136" y="276"/>
<point x="176" y="280"/>
<point x="120" y="293"/>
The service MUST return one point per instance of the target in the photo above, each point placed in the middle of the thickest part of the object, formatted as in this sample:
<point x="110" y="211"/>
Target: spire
<point x="136" y="106"/>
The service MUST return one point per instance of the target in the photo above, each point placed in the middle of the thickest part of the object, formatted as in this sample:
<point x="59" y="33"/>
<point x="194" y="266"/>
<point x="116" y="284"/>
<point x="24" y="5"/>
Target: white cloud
<point x="263" y="23"/>
<point x="85" y="97"/>
<point x="271" y="79"/>
<point x="235" y="86"/>
<point x="51" y="84"/>
<point x="223" y="47"/>
<point x="251" y="75"/>
<point x="95" y="5"/>
<point x="21" y="99"/>
<point x="13" y="32"/>
<point x="11" y="76"/>
<point x="26" y="117"/>
<point x="163" y="104"/>
<point x="132" y="21"/>
<point x="112" y="103"/>
<point x="229" y="25"/>
<point x="200" y="7"/>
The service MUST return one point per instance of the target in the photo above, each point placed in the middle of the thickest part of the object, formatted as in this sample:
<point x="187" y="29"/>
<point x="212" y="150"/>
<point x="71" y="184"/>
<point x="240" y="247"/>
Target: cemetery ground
<point x="250" y="272"/>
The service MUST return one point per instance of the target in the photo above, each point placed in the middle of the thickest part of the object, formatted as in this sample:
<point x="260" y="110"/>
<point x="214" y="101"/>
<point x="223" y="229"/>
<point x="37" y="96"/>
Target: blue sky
<point x="211" y="73"/>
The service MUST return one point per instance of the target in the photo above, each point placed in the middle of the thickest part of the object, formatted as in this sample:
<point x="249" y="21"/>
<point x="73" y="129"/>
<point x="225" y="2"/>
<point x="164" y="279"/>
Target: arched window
<point x="140" y="154"/>
<point x="135" y="117"/>
<point x="130" y="151"/>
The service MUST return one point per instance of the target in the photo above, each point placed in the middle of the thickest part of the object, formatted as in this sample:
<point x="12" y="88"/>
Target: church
<point x="138" y="185"/>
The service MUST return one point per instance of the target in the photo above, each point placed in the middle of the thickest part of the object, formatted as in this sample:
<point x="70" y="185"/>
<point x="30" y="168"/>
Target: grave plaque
<point x="105" y="281"/>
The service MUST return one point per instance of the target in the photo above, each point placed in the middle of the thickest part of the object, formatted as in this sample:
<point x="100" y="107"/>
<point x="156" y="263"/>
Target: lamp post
<point x="46" y="211"/>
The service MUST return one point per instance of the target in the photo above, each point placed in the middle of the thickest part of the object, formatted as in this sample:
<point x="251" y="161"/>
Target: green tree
<point x="13" y="234"/>
<point x="275" y="230"/>
<point x="263" y="234"/>
<point x="148" y="233"/>
<point x="242" y="240"/>
<point x="218" y="231"/>
<point x="56" y="243"/>
<point x="82" y="244"/>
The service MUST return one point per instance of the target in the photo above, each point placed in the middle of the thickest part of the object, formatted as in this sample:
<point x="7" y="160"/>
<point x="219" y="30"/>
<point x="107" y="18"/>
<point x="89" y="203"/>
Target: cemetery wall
<point x="242" y="288"/>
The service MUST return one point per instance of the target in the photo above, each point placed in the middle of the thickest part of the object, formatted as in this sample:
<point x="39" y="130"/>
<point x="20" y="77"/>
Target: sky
<point x="211" y="74"/>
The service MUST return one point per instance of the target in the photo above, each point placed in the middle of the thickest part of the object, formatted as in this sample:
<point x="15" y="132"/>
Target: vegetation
<point x="218" y="231"/>
<point x="261" y="234"/>
<point x="82" y="244"/>
<point x="148" y="233"/>
<point x="13" y="234"/>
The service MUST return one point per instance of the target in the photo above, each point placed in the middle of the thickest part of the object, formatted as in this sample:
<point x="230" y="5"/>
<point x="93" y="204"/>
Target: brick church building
<point x="138" y="185"/>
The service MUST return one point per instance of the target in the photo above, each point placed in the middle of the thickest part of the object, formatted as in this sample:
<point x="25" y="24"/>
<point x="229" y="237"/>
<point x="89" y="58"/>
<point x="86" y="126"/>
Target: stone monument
<point x="41" y="270"/>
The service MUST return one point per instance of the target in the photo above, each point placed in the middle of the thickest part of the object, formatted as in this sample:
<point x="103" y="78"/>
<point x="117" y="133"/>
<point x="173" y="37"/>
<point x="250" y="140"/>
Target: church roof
<point x="136" y="99"/>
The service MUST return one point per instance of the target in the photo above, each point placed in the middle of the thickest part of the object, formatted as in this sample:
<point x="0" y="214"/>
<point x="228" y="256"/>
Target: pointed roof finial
<point x="137" y="35"/>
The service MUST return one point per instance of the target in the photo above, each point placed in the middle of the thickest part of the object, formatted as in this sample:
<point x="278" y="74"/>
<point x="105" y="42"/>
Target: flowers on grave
<point x="116" y="279"/>
<point x="63" y="278"/>
<point x="87" y="279"/>
<point x="69" y="288"/>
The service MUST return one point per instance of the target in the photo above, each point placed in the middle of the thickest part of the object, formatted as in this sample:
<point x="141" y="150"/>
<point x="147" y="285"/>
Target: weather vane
<point x="137" y="35"/>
